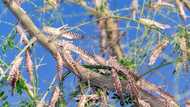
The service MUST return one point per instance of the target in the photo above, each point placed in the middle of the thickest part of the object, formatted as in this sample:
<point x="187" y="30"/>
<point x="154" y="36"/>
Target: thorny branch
<point x="96" y="79"/>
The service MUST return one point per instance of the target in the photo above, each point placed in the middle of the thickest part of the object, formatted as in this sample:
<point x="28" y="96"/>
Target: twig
<point x="48" y="89"/>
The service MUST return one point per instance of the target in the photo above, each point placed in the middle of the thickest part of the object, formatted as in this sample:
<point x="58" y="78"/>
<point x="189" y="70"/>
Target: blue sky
<point x="74" y="15"/>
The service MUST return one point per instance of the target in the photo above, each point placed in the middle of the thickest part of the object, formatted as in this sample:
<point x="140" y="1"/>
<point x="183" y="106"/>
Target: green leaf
<point x="128" y="63"/>
<point x="4" y="48"/>
<point x="20" y="86"/>
<point x="10" y="42"/>
<point x="3" y="96"/>
<point x="74" y="94"/>
<point x="27" y="104"/>
<point x="6" y="104"/>
<point x="61" y="102"/>
<point x="3" y="64"/>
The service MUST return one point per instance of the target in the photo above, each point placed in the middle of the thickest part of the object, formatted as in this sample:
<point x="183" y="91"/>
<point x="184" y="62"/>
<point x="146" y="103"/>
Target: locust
<point x="60" y="33"/>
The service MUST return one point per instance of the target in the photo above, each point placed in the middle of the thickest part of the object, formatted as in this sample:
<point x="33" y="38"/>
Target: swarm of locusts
<point x="63" y="37"/>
